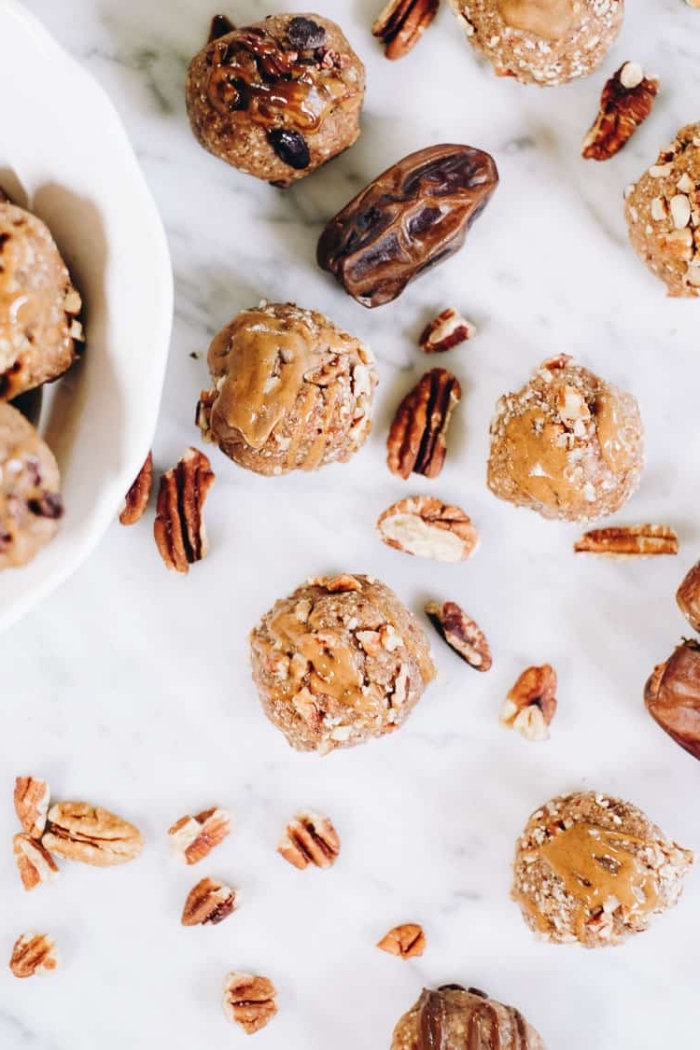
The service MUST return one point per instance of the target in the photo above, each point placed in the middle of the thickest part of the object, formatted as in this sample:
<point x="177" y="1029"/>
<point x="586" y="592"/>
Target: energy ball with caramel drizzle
<point x="544" y="42"/>
<point x="339" y="662"/>
<point x="453" y="1017"/>
<point x="276" y="99"/>
<point x="594" y="869"/>
<point x="290" y="391"/>
<point x="567" y="445"/>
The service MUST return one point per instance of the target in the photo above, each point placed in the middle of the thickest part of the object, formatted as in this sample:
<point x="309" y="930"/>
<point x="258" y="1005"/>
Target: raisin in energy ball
<point x="279" y="98"/>
<point x="453" y="1018"/>
<point x="663" y="214"/>
<point x="30" y="504"/>
<point x="545" y="42"/>
<point x="594" y="869"/>
<point x="38" y="305"/>
<point x="567" y="445"/>
<point x="290" y="391"/>
<point x="339" y="662"/>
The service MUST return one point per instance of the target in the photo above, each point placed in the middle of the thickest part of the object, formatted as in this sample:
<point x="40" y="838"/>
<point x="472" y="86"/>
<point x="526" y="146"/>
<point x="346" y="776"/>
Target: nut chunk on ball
<point x="567" y="445"/>
<point x="279" y="98"/>
<point x="339" y="662"/>
<point x="291" y="391"/>
<point x="456" y="1017"/>
<point x="594" y="869"/>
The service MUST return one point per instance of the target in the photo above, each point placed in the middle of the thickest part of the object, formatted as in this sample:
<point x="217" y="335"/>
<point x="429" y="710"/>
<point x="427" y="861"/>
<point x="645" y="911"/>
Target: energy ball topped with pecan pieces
<point x="453" y="1017"/>
<point x="276" y="99"/>
<point x="663" y="214"/>
<point x="594" y="869"/>
<point x="567" y="445"/>
<point x="291" y="391"/>
<point x="30" y="503"/>
<point x="38" y="305"/>
<point x="339" y="662"/>
<point x="546" y="42"/>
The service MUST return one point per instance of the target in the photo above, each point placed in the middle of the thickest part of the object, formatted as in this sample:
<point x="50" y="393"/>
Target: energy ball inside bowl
<point x="456" y="1017"/>
<point x="546" y="42"/>
<point x="567" y="445"/>
<point x="30" y="504"/>
<point x="339" y="662"/>
<point x="594" y="869"/>
<point x="291" y="391"/>
<point x="38" y="305"/>
<point x="663" y="214"/>
<point x="279" y="98"/>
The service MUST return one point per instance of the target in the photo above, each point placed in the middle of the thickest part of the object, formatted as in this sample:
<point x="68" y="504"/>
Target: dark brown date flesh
<point x="412" y="217"/>
<point x="672" y="696"/>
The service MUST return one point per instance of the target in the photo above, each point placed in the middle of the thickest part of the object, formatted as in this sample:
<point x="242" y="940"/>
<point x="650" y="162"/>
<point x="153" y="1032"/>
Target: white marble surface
<point x="130" y="686"/>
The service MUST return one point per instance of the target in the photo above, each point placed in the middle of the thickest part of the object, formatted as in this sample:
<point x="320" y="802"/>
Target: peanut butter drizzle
<point x="549" y="19"/>
<point x="334" y="670"/>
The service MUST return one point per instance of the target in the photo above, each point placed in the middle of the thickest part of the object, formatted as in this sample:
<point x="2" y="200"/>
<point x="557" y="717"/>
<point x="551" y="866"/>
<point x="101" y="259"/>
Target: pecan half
<point x="310" y="838"/>
<point x="139" y="494"/>
<point x="401" y="24"/>
<point x="406" y="941"/>
<point x="179" y="527"/>
<point x="35" y="865"/>
<point x="531" y="704"/>
<point x="631" y="541"/>
<point x="626" y="102"/>
<point x="249" y="1001"/>
<point x="416" y="442"/>
<point x="428" y="528"/>
<point x="461" y="633"/>
<point x="446" y="331"/>
<point x="33" y="953"/>
<point x="32" y="798"/>
<point x="91" y="835"/>
<point x="209" y="903"/>
<point x="672" y="696"/>
<point x="688" y="597"/>
<point x="193" y="838"/>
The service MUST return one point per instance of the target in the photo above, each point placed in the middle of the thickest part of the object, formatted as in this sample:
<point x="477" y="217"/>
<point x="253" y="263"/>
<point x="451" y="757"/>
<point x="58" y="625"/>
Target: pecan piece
<point x="91" y="835"/>
<point x="35" y="865"/>
<point x="446" y="331"/>
<point x="531" y="704"/>
<point x="416" y="442"/>
<point x="209" y="903"/>
<point x="179" y="527"/>
<point x="221" y="25"/>
<point x="193" y="838"/>
<point x="249" y="1001"/>
<point x="139" y="494"/>
<point x="33" y="953"/>
<point x="672" y="696"/>
<point x="626" y="102"/>
<point x="406" y="941"/>
<point x="32" y="798"/>
<point x="631" y="541"/>
<point x="428" y="528"/>
<point x="310" y="838"/>
<point x="401" y="24"/>
<point x="461" y="633"/>
<point x="688" y="597"/>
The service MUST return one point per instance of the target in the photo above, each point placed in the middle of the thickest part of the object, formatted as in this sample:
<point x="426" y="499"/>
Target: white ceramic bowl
<point x="62" y="142"/>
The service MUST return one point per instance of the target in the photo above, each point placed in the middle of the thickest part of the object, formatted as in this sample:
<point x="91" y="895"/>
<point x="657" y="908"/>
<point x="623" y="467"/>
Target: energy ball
<point x="544" y="42"/>
<point x="594" y="869"/>
<point x="30" y="504"/>
<point x="38" y="305"/>
<point x="456" y="1017"/>
<point x="279" y="98"/>
<point x="339" y="662"/>
<point x="567" y="445"/>
<point x="291" y="391"/>
<point x="663" y="214"/>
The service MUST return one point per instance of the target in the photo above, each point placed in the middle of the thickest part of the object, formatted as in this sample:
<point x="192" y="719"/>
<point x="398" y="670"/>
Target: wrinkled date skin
<point x="409" y="219"/>
<point x="672" y="696"/>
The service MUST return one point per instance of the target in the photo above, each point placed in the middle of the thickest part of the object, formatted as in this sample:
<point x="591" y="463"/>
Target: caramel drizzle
<point x="483" y="1028"/>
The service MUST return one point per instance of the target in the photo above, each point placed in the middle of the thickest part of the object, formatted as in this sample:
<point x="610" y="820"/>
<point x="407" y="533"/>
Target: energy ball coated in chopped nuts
<point x="567" y="445"/>
<point x="339" y="662"/>
<point x="453" y="1017"/>
<point x="544" y="42"/>
<point x="291" y="391"/>
<point x="38" y="305"/>
<point x="594" y="869"/>
<point x="279" y="98"/>
<point x="663" y="214"/>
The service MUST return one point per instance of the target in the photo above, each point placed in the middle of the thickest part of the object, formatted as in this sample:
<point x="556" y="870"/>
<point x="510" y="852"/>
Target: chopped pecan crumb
<point x="461" y="633"/>
<point x="209" y="903"/>
<point x="249" y="1001"/>
<point x="35" y="865"/>
<point x="531" y="704"/>
<point x="632" y="541"/>
<point x="139" y="494"/>
<point x="428" y="528"/>
<point x="626" y="102"/>
<point x="32" y="798"/>
<point x="220" y="26"/>
<point x="92" y="835"/>
<point x="33" y="953"/>
<point x="416" y="442"/>
<point x="193" y="838"/>
<point x="179" y="527"/>
<point x="310" y="839"/>
<point x="406" y="941"/>
<point x="446" y="331"/>
<point x="401" y="24"/>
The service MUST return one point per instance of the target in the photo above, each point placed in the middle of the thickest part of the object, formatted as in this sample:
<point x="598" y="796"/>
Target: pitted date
<point x="409" y="219"/>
